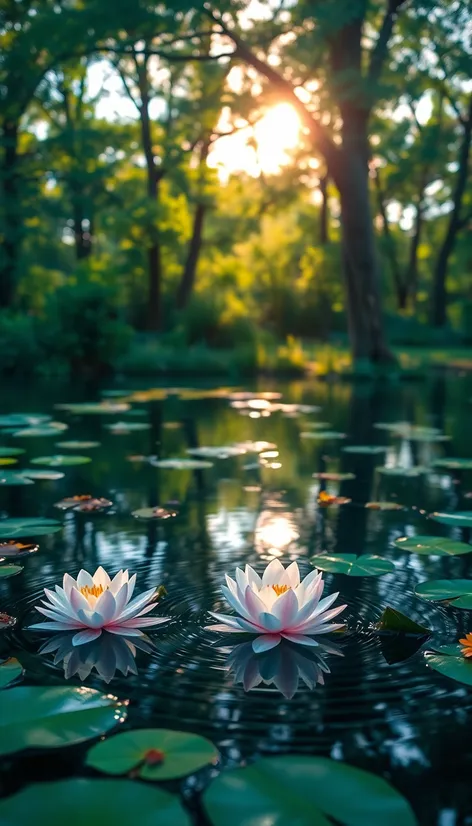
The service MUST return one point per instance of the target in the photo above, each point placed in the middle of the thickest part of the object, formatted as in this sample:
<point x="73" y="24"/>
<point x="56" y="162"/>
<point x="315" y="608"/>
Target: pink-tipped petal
<point x="293" y="575"/>
<point x="86" y="636"/>
<point x="299" y="639"/>
<point x="254" y="605"/>
<point x="101" y="577"/>
<point x="144" y="622"/>
<point x="265" y="642"/>
<point x="78" y="602"/>
<point x="68" y="583"/>
<point x="84" y="580"/>
<point x="285" y="608"/>
<point x="106" y="606"/>
<point x="55" y="626"/>
<point x="274" y="574"/>
<point x="253" y="578"/>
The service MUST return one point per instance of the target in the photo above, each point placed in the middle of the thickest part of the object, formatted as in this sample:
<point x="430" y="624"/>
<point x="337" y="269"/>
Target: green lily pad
<point x="322" y="435"/>
<point x="352" y="565"/>
<point x="95" y="408"/>
<point x="61" y="460"/>
<point x="10" y="570"/>
<point x="450" y="661"/>
<point x="28" y="526"/>
<point x="453" y="464"/>
<point x="456" y="592"/>
<point x="9" y="478"/>
<point x="37" y="717"/>
<point x="7" y="460"/>
<point x="154" y="754"/>
<point x="384" y="506"/>
<point x="182" y="464"/>
<point x="403" y="472"/>
<point x="116" y="393"/>
<point x="154" y="513"/>
<point x="123" y="428"/>
<point x="11" y="451"/>
<point x="93" y="802"/>
<point x="370" y="450"/>
<point x="39" y="475"/>
<point x="317" y="426"/>
<point x="17" y="420"/>
<point x="334" y="477"/>
<point x="40" y="432"/>
<point x="10" y="670"/>
<point x="432" y="546"/>
<point x="77" y="445"/>
<point x="221" y="452"/>
<point x="459" y="519"/>
<point x="311" y="791"/>
<point x="398" y="623"/>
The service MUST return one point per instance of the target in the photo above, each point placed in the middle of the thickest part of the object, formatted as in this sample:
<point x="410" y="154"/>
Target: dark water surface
<point x="398" y="719"/>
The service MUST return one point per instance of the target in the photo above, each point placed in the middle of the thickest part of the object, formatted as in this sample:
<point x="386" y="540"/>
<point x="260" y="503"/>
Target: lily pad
<point x="384" y="506"/>
<point x="77" y="445"/>
<point x="11" y="451"/>
<point x="61" y="460"/>
<point x="7" y="460"/>
<point x="453" y="464"/>
<point x="51" y="429"/>
<point x="71" y="502"/>
<point x="456" y="592"/>
<point x="28" y="526"/>
<point x="123" y="428"/>
<point x="17" y="420"/>
<point x="318" y="425"/>
<point x="368" y="450"/>
<point x="153" y="754"/>
<point x="125" y="802"/>
<point x="154" y="513"/>
<point x="450" y="661"/>
<point x="322" y="435"/>
<point x="10" y="671"/>
<point x="334" y="477"/>
<point x="182" y="464"/>
<point x="326" y="500"/>
<point x="223" y="452"/>
<point x="9" y="478"/>
<point x="403" y="472"/>
<point x="432" y="546"/>
<point x="93" y="408"/>
<point x="16" y="550"/>
<point x="39" y="475"/>
<point x="94" y="505"/>
<point x="37" y="717"/>
<point x="10" y="570"/>
<point x="459" y="519"/>
<point x="398" y="623"/>
<point x="273" y="789"/>
<point x="352" y="565"/>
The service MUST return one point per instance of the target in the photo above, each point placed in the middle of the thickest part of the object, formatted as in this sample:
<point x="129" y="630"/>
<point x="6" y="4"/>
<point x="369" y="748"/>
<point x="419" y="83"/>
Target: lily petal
<point x="265" y="642"/>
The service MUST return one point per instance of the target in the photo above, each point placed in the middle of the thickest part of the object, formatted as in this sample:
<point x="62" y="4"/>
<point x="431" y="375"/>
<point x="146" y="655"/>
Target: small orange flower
<point x="467" y="643"/>
<point x="326" y="499"/>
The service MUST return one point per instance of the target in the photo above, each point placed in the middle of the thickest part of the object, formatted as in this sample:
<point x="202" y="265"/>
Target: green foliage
<point x="19" y="350"/>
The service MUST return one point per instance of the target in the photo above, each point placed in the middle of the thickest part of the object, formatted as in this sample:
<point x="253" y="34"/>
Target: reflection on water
<point x="283" y="666"/>
<point x="106" y="655"/>
<point x="378" y="708"/>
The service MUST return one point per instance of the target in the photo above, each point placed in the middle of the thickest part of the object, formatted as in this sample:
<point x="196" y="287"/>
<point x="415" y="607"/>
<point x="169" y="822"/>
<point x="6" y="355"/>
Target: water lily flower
<point x="467" y="643"/>
<point x="106" y="655"/>
<point x="282" y="667"/>
<point x="277" y="606"/>
<point x="92" y="604"/>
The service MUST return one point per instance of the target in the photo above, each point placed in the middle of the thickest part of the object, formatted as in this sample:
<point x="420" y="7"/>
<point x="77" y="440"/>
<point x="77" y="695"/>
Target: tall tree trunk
<point x="401" y="290"/>
<point x="411" y="275"/>
<point x="154" y="175"/>
<point x="439" y="293"/>
<point x="11" y="215"/>
<point x="361" y="267"/>
<point x="190" y="268"/>
<point x="324" y="214"/>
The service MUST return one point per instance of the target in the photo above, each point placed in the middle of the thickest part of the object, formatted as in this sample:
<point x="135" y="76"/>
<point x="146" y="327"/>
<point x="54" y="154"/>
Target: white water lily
<point x="277" y="606"/>
<point x="92" y="604"/>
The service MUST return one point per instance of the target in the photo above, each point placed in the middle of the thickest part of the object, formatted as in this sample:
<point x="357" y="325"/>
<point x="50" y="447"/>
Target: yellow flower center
<point x="280" y="589"/>
<point x="93" y="591"/>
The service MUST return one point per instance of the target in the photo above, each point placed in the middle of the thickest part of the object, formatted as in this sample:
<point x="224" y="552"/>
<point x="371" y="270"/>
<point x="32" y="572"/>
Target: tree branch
<point x="380" y="51"/>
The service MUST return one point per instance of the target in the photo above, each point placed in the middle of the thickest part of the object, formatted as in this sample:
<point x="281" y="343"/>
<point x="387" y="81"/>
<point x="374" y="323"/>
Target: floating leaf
<point x="432" y="546"/>
<point x="403" y="472"/>
<point x="457" y="592"/>
<point x="154" y="513"/>
<point x="334" y="477"/>
<point x="364" y="565"/>
<point x="93" y="802"/>
<point x="152" y="754"/>
<point x="17" y="420"/>
<point x="123" y="428"/>
<point x="368" y="450"/>
<point x="39" y="475"/>
<point x="28" y="526"/>
<point x="51" y="429"/>
<point x="10" y="478"/>
<point x="398" y="623"/>
<point x="73" y="501"/>
<point x="453" y="464"/>
<point x="223" y="452"/>
<point x="305" y="790"/>
<point x="84" y="504"/>
<point x="326" y="499"/>
<point x="7" y="460"/>
<point x="450" y="661"/>
<point x="459" y="519"/>
<point x="384" y="506"/>
<point x="77" y="445"/>
<point x="37" y="717"/>
<point x="93" y="408"/>
<point x="16" y="550"/>
<point x="322" y="435"/>
<point x="10" y="670"/>
<point x="10" y="570"/>
<point x="61" y="460"/>
<point x="11" y="451"/>
<point x="392" y="425"/>
<point x="182" y="464"/>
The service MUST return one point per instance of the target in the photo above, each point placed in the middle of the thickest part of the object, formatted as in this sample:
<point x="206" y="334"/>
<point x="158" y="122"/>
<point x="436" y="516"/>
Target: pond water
<point x="381" y="707"/>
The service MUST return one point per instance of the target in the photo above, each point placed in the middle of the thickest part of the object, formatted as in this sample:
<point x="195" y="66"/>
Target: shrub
<point x="20" y="351"/>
